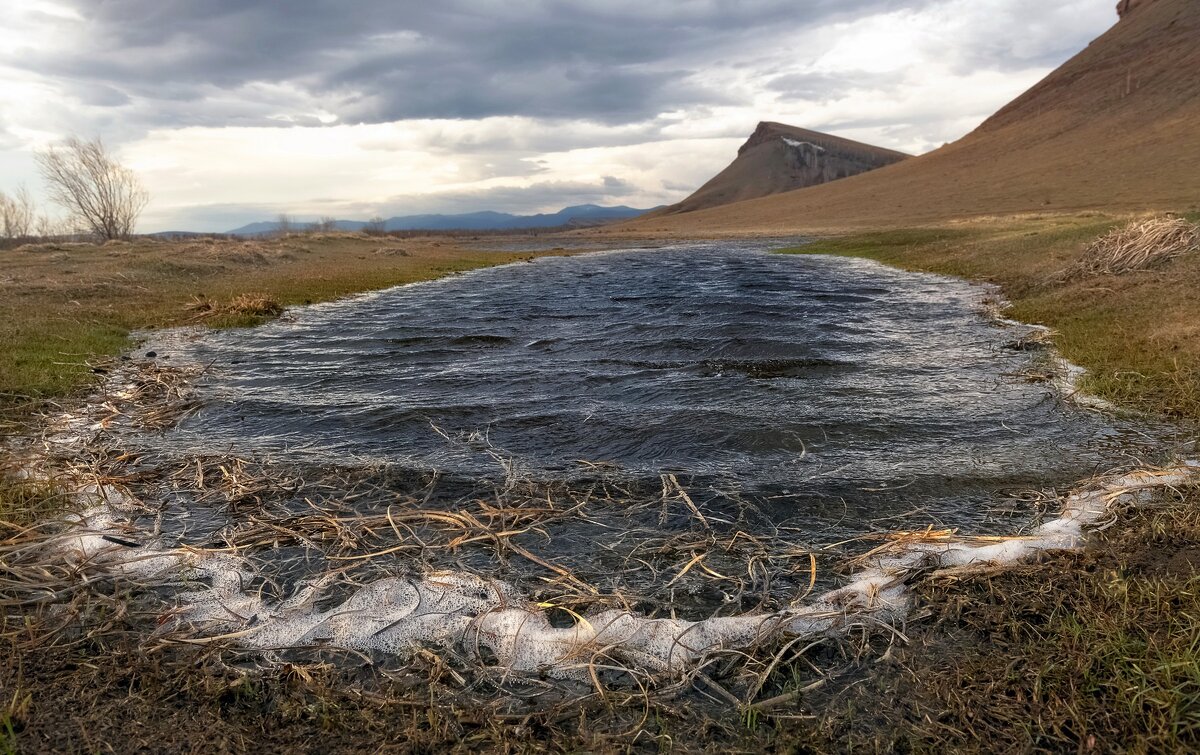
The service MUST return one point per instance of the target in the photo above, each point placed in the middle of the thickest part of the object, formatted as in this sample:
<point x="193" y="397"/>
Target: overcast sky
<point x="236" y="110"/>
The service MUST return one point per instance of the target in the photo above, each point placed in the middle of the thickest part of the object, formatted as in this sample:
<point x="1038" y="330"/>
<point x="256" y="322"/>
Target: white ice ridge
<point x="1067" y="378"/>
<point x="470" y="613"/>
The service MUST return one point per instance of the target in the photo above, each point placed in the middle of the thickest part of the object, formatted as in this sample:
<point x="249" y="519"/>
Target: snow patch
<point x="800" y="145"/>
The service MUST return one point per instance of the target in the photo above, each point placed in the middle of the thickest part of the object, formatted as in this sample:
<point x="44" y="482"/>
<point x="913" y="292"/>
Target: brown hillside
<point x="1117" y="127"/>
<point x="779" y="158"/>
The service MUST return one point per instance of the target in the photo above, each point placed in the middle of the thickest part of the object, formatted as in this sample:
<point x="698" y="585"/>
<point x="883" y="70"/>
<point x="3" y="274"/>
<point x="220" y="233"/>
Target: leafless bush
<point x="376" y="226"/>
<point x="17" y="214"/>
<point x="102" y="195"/>
<point x="46" y="227"/>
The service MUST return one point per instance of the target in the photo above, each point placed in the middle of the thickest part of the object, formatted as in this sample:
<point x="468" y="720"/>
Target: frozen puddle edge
<point x="469" y="613"/>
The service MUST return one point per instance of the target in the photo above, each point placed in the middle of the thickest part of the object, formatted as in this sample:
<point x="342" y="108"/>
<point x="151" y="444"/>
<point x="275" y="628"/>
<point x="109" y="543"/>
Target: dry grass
<point x="250" y="305"/>
<point x="1093" y="651"/>
<point x="1141" y="245"/>
<point x="85" y="654"/>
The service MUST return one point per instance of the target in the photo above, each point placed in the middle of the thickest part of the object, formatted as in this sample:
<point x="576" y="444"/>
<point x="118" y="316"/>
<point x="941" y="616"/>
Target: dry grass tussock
<point x="1140" y="245"/>
<point x="242" y="305"/>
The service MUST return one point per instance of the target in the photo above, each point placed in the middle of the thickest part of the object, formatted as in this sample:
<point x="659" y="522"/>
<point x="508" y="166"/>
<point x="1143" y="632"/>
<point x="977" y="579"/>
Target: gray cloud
<point x="178" y="62"/>
<point x="506" y="92"/>
<point x="824" y="87"/>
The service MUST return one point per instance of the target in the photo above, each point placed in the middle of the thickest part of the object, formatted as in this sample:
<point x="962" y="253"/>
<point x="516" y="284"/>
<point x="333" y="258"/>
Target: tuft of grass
<point x="243" y="311"/>
<point x="1140" y="245"/>
<point x="23" y="502"/>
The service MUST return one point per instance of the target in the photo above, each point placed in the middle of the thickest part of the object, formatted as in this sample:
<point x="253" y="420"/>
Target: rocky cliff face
<point x="778" y="158"/>
<point x="1125" y="7"/>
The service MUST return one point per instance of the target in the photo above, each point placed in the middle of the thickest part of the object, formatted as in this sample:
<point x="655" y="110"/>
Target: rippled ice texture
<point x="833" y="392"/>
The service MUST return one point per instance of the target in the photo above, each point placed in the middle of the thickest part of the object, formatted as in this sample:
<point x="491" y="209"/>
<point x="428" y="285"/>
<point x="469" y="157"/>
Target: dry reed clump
<point x="260" y="305"/>
<point x="242" y="305"/>
<point x="1140" y="245"/>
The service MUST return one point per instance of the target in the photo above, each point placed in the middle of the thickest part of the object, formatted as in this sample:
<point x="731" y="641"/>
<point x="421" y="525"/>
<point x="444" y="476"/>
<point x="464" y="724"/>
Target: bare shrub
<point x="284" y="224"/>
<point x="17" y="214"/>
<point x="375" y="226"/>
<point x="103" y="196"/>
<point x="46" y="227"/>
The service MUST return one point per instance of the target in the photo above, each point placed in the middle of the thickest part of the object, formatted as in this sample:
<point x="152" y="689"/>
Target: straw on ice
<point x="470" y="613"/>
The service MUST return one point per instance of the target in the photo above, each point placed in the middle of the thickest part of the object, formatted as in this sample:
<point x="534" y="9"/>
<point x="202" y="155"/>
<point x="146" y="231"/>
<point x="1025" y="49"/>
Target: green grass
<point x="878" y="244"/>
<point x="23" y="502"/>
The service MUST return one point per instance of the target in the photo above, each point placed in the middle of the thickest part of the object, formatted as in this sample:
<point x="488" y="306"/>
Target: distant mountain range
<point x="579" y="215"/>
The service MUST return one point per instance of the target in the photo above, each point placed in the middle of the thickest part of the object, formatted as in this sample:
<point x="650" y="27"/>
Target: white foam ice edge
<point x="1067" y="378"/>
<point x="468" y="612"/>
